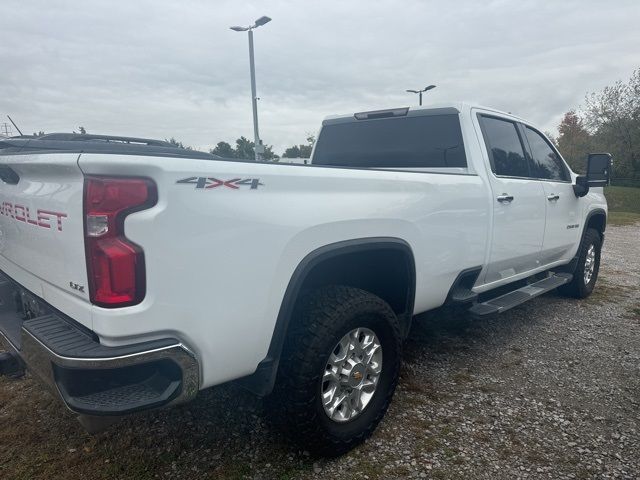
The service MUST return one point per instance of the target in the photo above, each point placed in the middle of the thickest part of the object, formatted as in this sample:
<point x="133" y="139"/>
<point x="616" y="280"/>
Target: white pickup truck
<point x="135" y="274"/>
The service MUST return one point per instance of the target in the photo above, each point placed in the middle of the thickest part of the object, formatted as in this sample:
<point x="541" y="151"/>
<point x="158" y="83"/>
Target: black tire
<point x="322" y="318"/>
<point x="577" y="288"/>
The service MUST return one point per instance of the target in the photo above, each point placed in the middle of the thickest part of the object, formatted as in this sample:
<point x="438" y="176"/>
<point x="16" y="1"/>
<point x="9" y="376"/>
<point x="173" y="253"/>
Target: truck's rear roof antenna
<point x="14" y="124"/>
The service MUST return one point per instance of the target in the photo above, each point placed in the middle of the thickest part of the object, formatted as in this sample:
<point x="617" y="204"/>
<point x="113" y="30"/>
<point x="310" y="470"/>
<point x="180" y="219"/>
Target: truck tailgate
<point x="41" y="224"/>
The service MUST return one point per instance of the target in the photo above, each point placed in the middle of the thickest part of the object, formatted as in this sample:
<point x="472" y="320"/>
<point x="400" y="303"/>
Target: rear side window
<point x="546" y="162"/>
<point x="505" y="148"/>
<point x="425" y="141"/>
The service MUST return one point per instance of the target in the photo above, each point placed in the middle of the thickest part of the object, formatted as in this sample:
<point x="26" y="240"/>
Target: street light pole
<point x="419" y="92"/>
<point x="258" y="147"/>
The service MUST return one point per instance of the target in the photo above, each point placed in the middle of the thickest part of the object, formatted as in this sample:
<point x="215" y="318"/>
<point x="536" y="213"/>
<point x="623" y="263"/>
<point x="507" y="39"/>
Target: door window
<point x="547" y="163"/>
<point x="505" y="148"/>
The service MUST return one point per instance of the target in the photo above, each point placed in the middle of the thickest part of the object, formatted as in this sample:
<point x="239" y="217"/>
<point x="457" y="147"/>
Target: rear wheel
<point x="339" y="368"/>
<point x="587" y="268"/>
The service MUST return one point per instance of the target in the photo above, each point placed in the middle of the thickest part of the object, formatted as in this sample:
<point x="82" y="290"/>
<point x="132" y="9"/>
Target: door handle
<point x="553" y="197"/>
<point x="504" y="198"/>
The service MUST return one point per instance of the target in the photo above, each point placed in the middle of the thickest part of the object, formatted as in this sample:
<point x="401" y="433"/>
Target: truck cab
<point x="535" y="217"/>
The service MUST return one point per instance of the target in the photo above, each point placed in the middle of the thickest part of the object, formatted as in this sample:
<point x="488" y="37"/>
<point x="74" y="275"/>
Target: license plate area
<point x="16" y="306"/>
<point x="31" y="306"/>
<point x="11" y="314"/>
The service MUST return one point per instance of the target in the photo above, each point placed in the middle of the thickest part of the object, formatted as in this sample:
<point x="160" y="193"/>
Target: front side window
<point x="421" y="141"/>
<point x="505" y="148"/>
<point x="546" y="162"/>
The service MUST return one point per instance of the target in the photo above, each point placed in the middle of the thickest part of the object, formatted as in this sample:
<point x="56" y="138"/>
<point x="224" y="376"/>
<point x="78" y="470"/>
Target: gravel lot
<point x="548" y="390"/>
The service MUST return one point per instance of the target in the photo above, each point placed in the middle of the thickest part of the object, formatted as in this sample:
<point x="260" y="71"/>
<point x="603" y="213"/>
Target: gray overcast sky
<point x="159" y="69"/>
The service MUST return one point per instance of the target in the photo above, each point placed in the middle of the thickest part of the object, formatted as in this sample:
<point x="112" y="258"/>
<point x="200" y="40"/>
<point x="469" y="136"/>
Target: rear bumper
<point x="91" y="378"/>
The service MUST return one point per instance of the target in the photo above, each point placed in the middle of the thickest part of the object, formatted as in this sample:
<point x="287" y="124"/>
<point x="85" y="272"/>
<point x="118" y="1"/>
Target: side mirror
<point x="598" y="169"/>
<point x="598" y="173"/>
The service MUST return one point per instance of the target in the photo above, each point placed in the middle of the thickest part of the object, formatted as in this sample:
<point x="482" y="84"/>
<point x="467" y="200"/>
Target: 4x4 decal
<point x="211" y="182"/>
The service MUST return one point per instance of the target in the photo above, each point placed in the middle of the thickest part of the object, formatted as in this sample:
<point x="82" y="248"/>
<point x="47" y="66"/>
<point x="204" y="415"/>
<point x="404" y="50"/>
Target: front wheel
<point x="587" y="268"/>
<point x="339" y="368"/>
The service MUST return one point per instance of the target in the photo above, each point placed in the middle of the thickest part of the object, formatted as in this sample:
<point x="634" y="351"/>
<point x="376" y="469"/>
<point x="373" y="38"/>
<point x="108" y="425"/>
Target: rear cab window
<point x="423" y="140"/>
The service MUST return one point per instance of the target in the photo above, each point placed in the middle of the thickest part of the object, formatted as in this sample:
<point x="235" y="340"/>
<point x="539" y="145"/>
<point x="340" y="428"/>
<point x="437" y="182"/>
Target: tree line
<point x="243" y="149"/>
<point x="609" y="121"/>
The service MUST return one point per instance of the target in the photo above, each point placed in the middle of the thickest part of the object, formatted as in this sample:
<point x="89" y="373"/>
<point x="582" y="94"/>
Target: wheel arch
<point x="596" y="219"/>
<point x="346" y="263"/>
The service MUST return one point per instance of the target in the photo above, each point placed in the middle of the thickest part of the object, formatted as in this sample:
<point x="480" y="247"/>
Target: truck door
<point x="518" y="202"/>
<point x="562" y="206"/>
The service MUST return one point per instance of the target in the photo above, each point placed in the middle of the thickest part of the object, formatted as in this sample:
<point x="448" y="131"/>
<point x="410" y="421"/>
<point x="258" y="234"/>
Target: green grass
<point x="623" y="218"/>
<point x="623" y="199"/>
<point x="624" y="205"/>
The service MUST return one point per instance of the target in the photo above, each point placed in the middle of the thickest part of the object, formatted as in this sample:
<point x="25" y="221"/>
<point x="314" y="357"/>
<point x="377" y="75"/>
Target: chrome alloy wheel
<point x="351" y="375"/>
<point x="589" y="264"/>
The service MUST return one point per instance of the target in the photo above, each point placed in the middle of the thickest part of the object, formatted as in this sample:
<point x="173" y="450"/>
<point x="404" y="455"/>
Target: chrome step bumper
<point x="91" y="378"/>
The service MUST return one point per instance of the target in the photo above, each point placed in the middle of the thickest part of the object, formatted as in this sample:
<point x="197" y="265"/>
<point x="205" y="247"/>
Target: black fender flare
<point x="261" y="382"/>
<point x="590" y="215"/>
<point x="571" y="266"/>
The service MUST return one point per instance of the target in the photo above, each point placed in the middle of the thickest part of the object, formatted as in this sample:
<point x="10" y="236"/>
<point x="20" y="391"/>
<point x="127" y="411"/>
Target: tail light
<point x="115" y="265"/>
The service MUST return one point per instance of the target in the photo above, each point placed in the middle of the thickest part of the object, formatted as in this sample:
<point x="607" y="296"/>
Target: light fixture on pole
<point x="419" y="92"/>
<point x="259" y="148"/>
